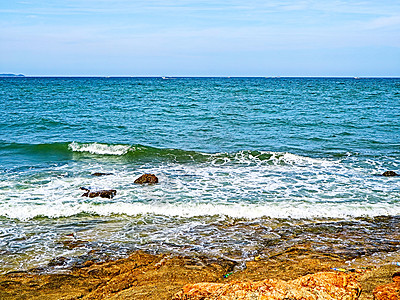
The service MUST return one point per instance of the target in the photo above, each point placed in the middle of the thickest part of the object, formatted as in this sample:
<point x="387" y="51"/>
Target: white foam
<point x="188" y="210"/>
<point x="305" y="189"/>
<point x="101" y="149"/>
<point x="303" y="160"/>
<point x="275" y="158"/>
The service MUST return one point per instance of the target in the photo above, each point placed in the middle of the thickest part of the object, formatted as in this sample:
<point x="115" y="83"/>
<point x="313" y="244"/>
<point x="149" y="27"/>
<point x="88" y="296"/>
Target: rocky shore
<point x="295" y="271"/>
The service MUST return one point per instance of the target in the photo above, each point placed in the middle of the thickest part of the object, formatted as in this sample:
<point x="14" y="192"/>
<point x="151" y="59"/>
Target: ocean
<point x="247" y="167"/>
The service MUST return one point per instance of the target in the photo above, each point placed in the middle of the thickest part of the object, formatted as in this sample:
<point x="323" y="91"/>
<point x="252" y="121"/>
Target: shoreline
<point x="148" y="276"/>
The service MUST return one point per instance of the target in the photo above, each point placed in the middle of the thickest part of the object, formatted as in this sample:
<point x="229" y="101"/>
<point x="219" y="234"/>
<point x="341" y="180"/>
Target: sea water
<point x="245" y="166"/>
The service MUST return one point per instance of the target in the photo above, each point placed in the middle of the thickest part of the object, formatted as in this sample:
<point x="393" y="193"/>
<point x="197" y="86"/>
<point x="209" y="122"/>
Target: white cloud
<point x="384" y="22"/>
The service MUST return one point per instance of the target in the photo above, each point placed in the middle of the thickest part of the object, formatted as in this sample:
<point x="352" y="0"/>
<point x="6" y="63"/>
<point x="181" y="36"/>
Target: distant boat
<point x="356" y="77"/>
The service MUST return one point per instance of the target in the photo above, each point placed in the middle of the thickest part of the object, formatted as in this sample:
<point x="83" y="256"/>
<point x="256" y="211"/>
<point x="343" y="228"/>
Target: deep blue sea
<point x="246" y="167"/>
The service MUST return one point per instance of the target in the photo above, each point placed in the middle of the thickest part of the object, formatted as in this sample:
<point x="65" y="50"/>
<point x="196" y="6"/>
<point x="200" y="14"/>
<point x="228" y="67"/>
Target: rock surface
<point x="389" y="291"/>
<point x="147" y="178"/>
<point x="319" y="286"/>
<point x="143" y="276"/>
<point x="390" y="174"/>
<point x="102" y="193"/>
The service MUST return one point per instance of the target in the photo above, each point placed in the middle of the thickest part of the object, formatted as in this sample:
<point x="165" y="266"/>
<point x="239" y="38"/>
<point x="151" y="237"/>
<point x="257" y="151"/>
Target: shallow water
<point x="246" y="167"/>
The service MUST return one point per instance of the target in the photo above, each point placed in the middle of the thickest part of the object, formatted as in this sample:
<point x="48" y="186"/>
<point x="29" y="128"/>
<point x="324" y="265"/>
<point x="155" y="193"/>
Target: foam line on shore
<point x="249" y="211"/>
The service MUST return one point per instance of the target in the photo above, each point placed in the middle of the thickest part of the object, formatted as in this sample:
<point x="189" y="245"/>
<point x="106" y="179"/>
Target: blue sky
<point x="200" y="38"/>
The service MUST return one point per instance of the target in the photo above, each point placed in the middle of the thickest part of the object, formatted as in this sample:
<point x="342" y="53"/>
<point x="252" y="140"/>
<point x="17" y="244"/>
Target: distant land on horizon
<point x="11" y="75"/>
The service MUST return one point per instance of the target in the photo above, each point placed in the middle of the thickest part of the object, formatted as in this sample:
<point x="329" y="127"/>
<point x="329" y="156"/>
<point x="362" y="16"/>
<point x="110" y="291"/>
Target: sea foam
<point x="101" y="149"/>
<point x="189" y="210"/>
<point x="244" y="184"/>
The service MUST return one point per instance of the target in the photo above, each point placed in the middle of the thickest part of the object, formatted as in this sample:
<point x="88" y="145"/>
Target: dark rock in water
<point x="390" y="174"/>
<point x="101" y="174"/>
<point x="58" y="261"/>
<point x="147" y="178"/>
<point x="72" y="244"/>
<point x="102" y="193"/>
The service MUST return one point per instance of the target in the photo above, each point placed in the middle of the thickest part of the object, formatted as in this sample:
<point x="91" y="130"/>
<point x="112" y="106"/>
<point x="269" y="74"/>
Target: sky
<point x="200" y="38"/>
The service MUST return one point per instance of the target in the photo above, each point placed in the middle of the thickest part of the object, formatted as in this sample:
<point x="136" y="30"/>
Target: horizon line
<point x="20" y="75"/>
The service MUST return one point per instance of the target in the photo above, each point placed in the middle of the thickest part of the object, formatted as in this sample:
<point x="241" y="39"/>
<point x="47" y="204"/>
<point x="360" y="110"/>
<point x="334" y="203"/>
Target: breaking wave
<point x="147" y="153"/>
<point x="189" y="210"/>
<point x="242" y="184"/>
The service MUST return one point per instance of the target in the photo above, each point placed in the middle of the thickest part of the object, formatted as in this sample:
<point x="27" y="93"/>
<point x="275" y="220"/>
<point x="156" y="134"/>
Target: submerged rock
<point x="390" y="174"/>
<point x="318" y="286"/>
<point x="389" y="291"/>
<point x="147" y="178"/>
<point x="101" y="174"/>
<point x="72" y="244"/>
<point x="102" y="193"/>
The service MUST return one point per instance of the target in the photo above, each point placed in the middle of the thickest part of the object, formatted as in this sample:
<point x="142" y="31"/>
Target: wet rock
<point x="389" y="291"/>
<point x="98" y="174"/>
<point x="88" y="263"/>
<point x="102" y="193"/>
<point x="318" y="286"/>
<point x="58" y="261"/>
<point x="390" y="174"/>
<point x="147" y="178"/>
<point x="72" y="244"/>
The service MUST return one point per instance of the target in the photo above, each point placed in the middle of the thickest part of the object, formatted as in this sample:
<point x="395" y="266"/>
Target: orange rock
<point x="147" y="178"/>
<point x="389" y="291"/>
<point x="318" y="286"/>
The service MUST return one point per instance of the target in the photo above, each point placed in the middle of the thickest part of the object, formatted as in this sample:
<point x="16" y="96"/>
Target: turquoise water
<point x="246" y="165"/>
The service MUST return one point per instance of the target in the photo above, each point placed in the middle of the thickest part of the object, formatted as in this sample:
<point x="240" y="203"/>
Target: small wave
<point x="244" y="157"/>
<point x="101" y="149"/>
<point x="250" y="211"/>
<point x="30" y="154"/>
<point x="139" y="153"/>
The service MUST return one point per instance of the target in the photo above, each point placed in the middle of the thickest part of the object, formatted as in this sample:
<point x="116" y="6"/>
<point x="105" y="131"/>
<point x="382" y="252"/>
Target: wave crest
<point x="243" y="157"/>
<point x="141" y="153"/>
<point x="189" y="210"/>
<point x="101" y="149"/>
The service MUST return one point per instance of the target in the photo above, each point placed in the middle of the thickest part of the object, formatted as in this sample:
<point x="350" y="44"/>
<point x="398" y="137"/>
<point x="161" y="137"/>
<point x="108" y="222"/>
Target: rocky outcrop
<point x="102" y="193"/>
<point x="143" y="276"/>
<point x="147" y="178"/>
<point x="390" y="174"/>
<point x="389" y="291"/>
<point x="318" y="286"/>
